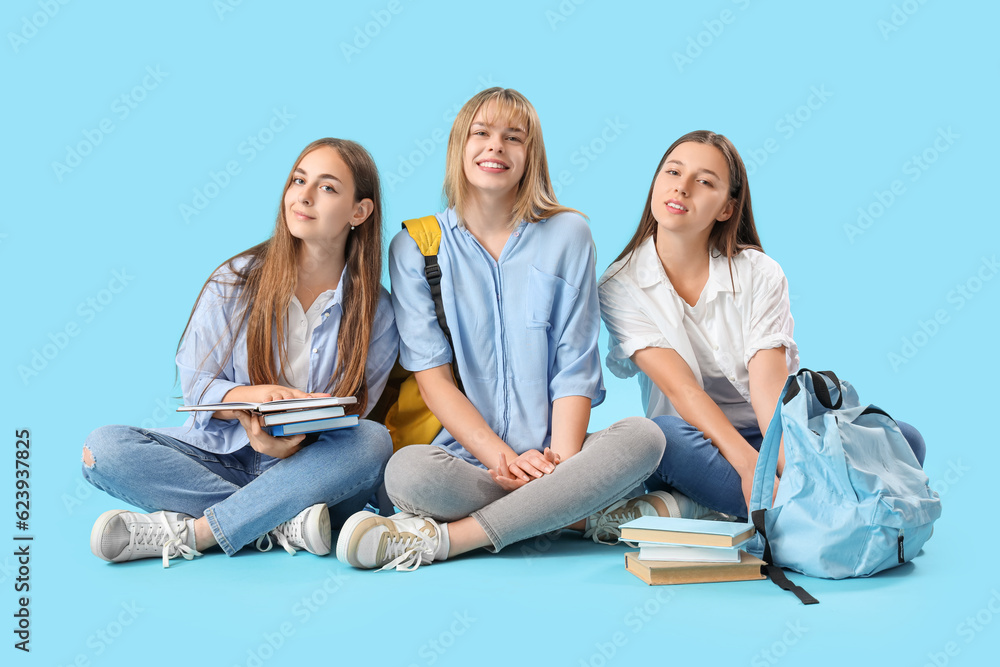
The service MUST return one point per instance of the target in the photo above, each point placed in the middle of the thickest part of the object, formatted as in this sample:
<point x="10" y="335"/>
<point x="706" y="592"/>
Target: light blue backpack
<point x="852" y="499"/>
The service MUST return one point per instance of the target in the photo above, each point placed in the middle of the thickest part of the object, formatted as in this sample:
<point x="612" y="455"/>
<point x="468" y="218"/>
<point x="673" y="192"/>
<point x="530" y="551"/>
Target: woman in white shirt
<point x="701" y="314"/>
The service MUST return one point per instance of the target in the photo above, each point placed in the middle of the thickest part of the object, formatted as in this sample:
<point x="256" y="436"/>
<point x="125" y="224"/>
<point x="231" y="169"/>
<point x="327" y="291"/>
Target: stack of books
<point x="688" y="551"/>
<point x="292" y="416"/>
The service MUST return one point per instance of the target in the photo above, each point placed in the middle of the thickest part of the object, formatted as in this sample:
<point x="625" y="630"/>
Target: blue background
<point x="831" y="106"/>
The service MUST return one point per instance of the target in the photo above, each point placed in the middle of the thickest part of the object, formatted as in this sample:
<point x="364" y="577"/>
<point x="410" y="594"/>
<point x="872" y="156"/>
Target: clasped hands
<point x="527" y="467"/>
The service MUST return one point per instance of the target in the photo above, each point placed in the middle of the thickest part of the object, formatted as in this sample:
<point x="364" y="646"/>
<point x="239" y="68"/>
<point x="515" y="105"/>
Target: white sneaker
<point x="309" y="530"/>
<point x="604" y="527"/>
<point x="401" y="541"/>
<point x="120" y="535"/>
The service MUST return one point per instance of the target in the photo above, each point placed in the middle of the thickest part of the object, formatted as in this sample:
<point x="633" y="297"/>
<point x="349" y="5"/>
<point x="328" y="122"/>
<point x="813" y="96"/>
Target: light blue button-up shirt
<point x="525" y="327"/>
<point x="207" y="372"/>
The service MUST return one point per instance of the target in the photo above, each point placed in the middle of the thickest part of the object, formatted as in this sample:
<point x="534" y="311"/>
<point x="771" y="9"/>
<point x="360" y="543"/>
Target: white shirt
<point x="717" y="337"/>
<point x="298" y="338"/>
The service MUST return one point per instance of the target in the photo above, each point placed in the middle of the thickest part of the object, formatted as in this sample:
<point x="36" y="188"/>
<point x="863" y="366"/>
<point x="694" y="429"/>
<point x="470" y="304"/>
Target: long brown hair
<point x="270" y="272"/>
<point x="728" y="237"/>
<point x="536" y="199"/>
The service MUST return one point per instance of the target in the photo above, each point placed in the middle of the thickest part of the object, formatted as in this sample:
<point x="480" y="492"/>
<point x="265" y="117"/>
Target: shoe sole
<point x="97" y="532"/>
<point x="347" y="543"/>
<point x="318" y="539"/>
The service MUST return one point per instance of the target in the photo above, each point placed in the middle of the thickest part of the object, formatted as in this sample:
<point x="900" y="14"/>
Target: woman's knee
<point x="915" y="440"/>
<point x="105" y="444"/>
<point x="645" y="440"/>
<point x="375" y="441"/>
<point x="406" y="474"/>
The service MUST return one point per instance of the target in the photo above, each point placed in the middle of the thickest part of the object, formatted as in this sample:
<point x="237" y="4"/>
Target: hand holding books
<point x="277" y="427"/>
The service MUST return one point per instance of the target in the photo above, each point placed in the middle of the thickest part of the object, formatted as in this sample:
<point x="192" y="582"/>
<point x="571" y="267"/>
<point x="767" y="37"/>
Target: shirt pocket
<point x="549" y="297"/>
<point x="548" y="301"/>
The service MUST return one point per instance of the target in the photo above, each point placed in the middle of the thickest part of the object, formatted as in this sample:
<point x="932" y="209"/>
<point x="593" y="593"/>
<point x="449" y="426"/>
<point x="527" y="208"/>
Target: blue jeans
<point x="244" y="494"/>
<point x="695" y="467"/>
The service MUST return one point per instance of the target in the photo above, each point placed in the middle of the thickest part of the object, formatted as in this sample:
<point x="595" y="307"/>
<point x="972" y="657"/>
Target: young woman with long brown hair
<point x="519" y="291"/>
<point x="301" y="314"/>
<point x="699" y="312"/>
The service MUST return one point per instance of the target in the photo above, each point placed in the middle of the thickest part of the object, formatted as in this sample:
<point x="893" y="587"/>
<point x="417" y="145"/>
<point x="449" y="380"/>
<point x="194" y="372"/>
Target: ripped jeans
<point x="243" y="494"/>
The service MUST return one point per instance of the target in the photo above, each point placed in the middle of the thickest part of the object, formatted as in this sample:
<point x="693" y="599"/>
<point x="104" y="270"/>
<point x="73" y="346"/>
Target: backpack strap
<point x="426" y="231"/>
<point x="772" y="571"/>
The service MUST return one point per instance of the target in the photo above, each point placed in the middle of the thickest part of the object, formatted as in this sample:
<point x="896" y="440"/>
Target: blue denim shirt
<point x="202" y="355"/>
<point x="525" y="327"/>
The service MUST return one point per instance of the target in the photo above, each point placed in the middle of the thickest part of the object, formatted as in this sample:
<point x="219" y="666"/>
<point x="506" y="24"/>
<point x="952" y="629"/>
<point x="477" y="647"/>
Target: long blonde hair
<point x="269" y="277"/>
<point x="535" y="198"/>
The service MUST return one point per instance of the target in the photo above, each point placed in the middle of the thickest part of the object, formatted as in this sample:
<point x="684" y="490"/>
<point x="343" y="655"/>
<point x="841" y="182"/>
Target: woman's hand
<point x="529" y="466"/>
<point x="258" y="393"/>
<point x="746" y="482"/>
<point x="279" y="448"/>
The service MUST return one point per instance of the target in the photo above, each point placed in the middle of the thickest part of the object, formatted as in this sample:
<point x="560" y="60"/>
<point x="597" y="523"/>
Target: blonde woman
<point x="520" y="298"/>
<point x="301" y="314"/>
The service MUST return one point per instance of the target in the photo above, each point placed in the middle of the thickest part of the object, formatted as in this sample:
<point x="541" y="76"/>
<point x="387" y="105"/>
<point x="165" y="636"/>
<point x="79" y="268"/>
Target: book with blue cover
<point x="691" y="532"/>
<point x="312" y="426"/>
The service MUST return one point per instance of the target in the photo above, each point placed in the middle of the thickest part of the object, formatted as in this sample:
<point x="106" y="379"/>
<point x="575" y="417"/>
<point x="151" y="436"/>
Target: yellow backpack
<point x="401" y="408"/>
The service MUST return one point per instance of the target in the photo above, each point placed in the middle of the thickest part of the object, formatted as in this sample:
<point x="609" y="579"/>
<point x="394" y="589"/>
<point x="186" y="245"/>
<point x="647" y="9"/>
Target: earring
<point x="352" y="227"/>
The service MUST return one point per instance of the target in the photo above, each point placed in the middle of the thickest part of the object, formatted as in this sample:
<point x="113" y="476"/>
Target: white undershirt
<point x="718" y="387"/>
<point x="298" y="339"/>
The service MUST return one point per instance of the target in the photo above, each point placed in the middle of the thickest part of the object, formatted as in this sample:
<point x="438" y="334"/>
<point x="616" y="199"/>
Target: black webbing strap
<point x="433" y="274"/>
<point x="773" y="572"/>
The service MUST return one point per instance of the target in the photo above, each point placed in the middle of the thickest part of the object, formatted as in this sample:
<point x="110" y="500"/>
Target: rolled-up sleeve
<point x="576" y="368"/>
<point x="770" y="322"/>
<point x="629" y="327"/>
<point x="422" y="344"/>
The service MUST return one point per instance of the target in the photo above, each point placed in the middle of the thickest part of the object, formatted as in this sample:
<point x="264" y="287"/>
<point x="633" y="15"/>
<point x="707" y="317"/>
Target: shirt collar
<point x="648" y="271"/>
<point x="334" y="297"/>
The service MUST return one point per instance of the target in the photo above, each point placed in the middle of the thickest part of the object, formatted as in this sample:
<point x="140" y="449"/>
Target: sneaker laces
<point x="153" y="534"/>
<point x="283" y="539"/>
<point x="605" y="525"/>
<point x="408" y="550"/>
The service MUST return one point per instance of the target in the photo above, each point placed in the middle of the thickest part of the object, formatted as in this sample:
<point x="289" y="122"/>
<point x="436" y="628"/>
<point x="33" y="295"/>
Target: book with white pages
<point x="294" y="416"/>
<point x="678" y="552"/>
<point x="282" y="405"/>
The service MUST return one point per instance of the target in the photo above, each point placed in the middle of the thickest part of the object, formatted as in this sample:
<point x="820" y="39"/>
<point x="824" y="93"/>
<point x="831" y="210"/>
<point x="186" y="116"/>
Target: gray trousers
<point x="428" y="481"/>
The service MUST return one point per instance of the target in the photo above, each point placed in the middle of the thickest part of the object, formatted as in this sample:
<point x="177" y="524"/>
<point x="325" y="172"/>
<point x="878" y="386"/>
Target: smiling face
<point x="319" y="203"/>
<point x="494" y="158"/>
<point x="691" y="190"/>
